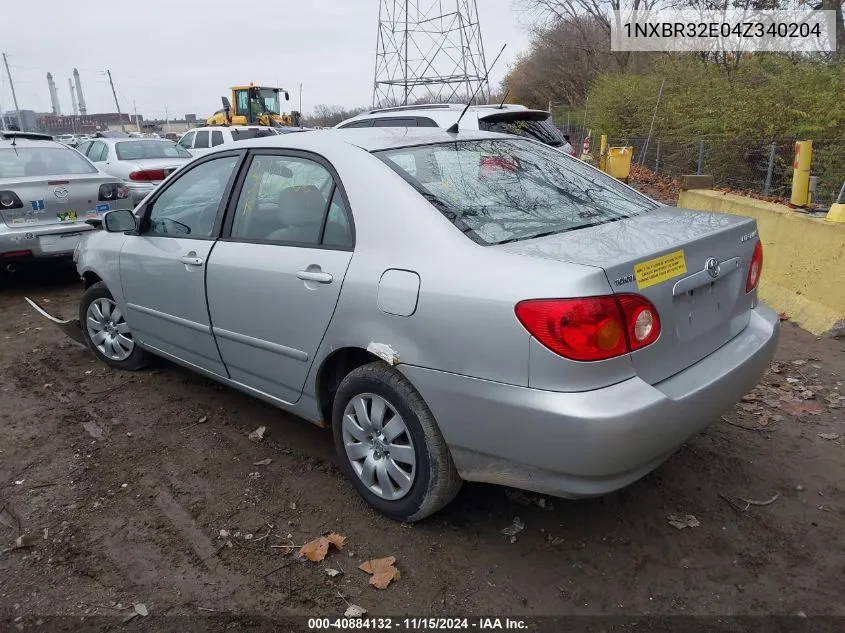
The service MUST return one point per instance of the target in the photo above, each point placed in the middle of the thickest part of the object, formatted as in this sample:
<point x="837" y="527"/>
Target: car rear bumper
<point x="593" y="442"/>
<point x="32" y="242"/>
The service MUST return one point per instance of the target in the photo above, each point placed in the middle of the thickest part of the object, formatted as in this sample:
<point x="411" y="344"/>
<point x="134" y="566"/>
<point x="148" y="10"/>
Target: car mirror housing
<point x="120" y="221"/>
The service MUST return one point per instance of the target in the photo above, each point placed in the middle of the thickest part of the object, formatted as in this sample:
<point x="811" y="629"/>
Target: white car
<point x="201" y="140"/>
<point x="507" y="118"/>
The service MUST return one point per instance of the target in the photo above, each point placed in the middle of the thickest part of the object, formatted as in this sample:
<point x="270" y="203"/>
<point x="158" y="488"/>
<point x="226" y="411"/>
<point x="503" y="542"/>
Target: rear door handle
<point x="313" y="275"/>
<point x="192" y="260"/>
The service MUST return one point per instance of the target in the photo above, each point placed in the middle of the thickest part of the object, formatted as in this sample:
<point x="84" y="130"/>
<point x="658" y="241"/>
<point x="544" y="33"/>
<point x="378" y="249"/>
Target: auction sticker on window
<point x="655" y="271"/>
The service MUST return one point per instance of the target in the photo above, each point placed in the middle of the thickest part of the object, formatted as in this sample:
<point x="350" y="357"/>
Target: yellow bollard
<point x="603" y="153"/>
<point x="801" y="174"/>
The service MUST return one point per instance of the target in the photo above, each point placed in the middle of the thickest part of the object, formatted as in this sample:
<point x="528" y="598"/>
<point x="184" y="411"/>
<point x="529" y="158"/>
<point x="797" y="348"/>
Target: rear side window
<point x="216" y="138"/>
<point x="542" y="131"/>
<point x="395" y="122"/>
<point x="423" y="121"/>
<point x="201" y="142"/>
<point x="42" y="161"/>
<point x="97" y="152"/>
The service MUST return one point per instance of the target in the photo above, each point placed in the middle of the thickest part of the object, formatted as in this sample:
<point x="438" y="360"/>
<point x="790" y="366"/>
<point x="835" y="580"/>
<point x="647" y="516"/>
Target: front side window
<point x="216" y="138"/>
<point x="42" y="161"/>
<point x="285" y="199"/>
<point x="498" y="191"/>
<point x="189" y="206"/>
<point x="201" y="142"/>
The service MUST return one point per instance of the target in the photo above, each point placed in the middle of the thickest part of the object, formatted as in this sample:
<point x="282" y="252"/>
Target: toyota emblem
<point x="712" y="267"/>
<point x="61" y="193"/>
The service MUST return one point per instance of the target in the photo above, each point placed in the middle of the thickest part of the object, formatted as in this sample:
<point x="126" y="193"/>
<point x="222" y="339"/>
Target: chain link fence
<point x="762" y="167"/>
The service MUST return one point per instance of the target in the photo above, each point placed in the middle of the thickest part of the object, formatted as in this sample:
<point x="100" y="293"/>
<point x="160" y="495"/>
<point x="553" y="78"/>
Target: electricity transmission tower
<point x="429" y="50"/>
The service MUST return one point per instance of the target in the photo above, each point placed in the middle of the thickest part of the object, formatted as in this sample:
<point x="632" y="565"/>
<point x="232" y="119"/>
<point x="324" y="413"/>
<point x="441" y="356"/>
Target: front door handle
<point x="192" y="260"/>
<point x="314" y="275"/>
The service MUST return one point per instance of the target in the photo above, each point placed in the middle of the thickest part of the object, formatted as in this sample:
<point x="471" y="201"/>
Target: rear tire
<point x="106" y="332"/>
<point x="384" y="433"/>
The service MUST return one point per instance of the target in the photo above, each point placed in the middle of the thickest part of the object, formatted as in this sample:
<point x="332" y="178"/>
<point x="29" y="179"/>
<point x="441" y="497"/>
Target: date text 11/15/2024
<point x="418" y="624"/>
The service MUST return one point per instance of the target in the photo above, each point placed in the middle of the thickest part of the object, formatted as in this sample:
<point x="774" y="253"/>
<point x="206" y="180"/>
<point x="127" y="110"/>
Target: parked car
<point x="202" y="140"/>
<point x="577" y="333"/>
<point x="67" y="139"/>
<point x="48" y="192"/>
<point x="505" y="118"/>
<point x="141" y="163"/>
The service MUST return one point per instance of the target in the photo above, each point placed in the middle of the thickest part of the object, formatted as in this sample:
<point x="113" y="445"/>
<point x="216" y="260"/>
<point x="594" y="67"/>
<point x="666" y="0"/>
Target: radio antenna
<point x="454" y="128"/>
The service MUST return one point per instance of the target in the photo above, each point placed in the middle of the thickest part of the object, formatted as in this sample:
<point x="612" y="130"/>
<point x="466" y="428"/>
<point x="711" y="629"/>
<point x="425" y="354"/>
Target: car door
<point x="97" y="153"/>
<point x="275" y="276"/>
<point x="163" y="267"/>
<point x="201" y="143"/>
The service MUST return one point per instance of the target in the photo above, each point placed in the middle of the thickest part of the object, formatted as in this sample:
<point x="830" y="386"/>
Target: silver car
<point x="456" y="307"/>
<point x="141" y="163"/>
<point x="48" y="196"/>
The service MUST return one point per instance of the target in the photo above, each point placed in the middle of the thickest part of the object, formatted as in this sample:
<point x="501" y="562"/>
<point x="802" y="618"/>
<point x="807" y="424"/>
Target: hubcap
<point x="379" y="446"/>
<point x="108" y="329"/>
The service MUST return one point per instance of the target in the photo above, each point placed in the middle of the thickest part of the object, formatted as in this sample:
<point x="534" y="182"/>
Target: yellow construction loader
<point x="255" y="105"/>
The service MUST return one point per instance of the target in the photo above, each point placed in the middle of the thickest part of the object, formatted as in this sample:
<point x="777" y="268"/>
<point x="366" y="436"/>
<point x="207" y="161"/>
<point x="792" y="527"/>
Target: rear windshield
<point x="244" y="135"/>
<point x="499" y="191"/>
<point x="139" y="150"/>
<point x="542" y="131"/>
<point x="18" y="162"/>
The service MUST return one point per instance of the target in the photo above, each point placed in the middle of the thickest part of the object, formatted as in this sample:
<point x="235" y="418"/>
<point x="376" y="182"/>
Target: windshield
<point x="542" y="131"/>
<point x="244" y="135"/>
<point x="270" y="100"/>
<point x="139" y="150"/>
<point x="499" y="191"/>
<point x="42" y="161"/>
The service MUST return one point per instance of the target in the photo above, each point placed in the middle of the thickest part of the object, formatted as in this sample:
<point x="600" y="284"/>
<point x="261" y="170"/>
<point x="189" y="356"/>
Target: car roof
<point x="230" y="127"/>
<point x="110" y="140"/>
<point x="444" y="113"/>
<point x="26" y="142"/>
<point x="368" y="139"/>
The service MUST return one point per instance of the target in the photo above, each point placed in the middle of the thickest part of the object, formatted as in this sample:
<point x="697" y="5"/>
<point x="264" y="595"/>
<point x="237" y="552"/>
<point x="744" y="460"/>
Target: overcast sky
<point x="183" y="55"/>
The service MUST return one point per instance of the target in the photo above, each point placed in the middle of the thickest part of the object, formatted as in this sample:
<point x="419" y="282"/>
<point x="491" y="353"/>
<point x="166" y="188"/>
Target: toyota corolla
<point x="455" y="307"/>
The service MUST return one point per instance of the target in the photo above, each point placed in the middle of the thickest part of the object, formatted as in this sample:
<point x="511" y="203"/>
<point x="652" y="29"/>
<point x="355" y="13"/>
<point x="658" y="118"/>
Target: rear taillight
<point x="11" y="254"/>
<point x="755" y="268"/>
<point x="9" y="200"/>
<point x="591" y="328"/>
<point x="113" y="191"/>
<point x="147" y="175"/>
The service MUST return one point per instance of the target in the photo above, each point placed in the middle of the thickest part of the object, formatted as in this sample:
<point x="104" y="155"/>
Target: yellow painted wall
<point x="803" y="257"/>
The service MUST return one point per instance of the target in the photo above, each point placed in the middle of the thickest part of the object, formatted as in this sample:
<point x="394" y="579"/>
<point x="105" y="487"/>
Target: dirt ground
<point x="123" y="482"/>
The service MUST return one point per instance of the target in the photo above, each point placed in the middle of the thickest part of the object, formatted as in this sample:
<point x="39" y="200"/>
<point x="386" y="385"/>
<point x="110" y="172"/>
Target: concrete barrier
<point x="803" y="257"/>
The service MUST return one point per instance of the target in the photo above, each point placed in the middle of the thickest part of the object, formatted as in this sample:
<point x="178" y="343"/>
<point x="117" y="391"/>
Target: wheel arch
<point x="333" y="369"/>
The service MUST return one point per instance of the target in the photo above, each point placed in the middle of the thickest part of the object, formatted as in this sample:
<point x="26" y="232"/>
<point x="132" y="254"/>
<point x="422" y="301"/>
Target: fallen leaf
<point x="263" y="462"/>
<point x="382" y="570"/>
<point x="783" y="316"/>
<point x="682" y="521"/>
<point x="806" y="395"/>
<point x="792" y="381"/>
<point x="354" y="611"/>
<point x="514" y="528"/>
<point x="776" y="368"/>
<point x="258" y="434"/>
<point x="93" y="429"/>
<point x="750" y="398"/>
<point x="333" y="572"/>
<point x="800" y="407"/>
<point x="799" y="362"/>
<point x="316" y="550"/>
<point x="829" y="436"/>
<point x="203" y="420"/>
<point x="141" y="609"/>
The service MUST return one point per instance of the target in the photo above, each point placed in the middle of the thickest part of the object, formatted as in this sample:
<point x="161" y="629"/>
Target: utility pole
<point x="117" y="105"/>
<point x="137" y="125"/>
<point x="14" y="96"/>
<point x="166" y="120"/>
<point x="300" y="98"/>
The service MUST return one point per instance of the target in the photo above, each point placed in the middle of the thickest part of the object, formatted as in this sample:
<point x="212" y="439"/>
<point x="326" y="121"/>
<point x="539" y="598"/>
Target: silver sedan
<point x="49" y="194"/>
<point x="141" y="163"/>
<point x="456" y="307"/>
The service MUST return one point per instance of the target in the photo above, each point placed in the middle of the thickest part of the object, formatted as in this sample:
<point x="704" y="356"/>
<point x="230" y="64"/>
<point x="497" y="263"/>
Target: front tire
<point x="389" y="445"/>
<point x="106" y="332"/>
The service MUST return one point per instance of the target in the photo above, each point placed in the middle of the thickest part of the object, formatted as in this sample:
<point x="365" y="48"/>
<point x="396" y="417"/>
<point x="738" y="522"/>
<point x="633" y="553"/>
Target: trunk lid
<point x="667" y="256"/>
<point x="168" y="165"/>
<point x="56" y="200"/>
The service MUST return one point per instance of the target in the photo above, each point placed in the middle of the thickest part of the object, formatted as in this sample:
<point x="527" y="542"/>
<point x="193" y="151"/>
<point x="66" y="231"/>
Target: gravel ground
<point x="121" y="484"/>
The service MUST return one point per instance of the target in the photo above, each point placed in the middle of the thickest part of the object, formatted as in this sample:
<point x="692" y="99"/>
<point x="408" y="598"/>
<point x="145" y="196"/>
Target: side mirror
<point x="287" y="96"/>
<point x="226" y="105"/>
<point x="120" y="221"/>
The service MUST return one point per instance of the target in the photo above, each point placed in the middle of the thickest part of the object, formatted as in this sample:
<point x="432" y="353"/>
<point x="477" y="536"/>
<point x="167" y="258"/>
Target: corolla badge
<point x="61" y="193"/>
<point x="712" y="267"/>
